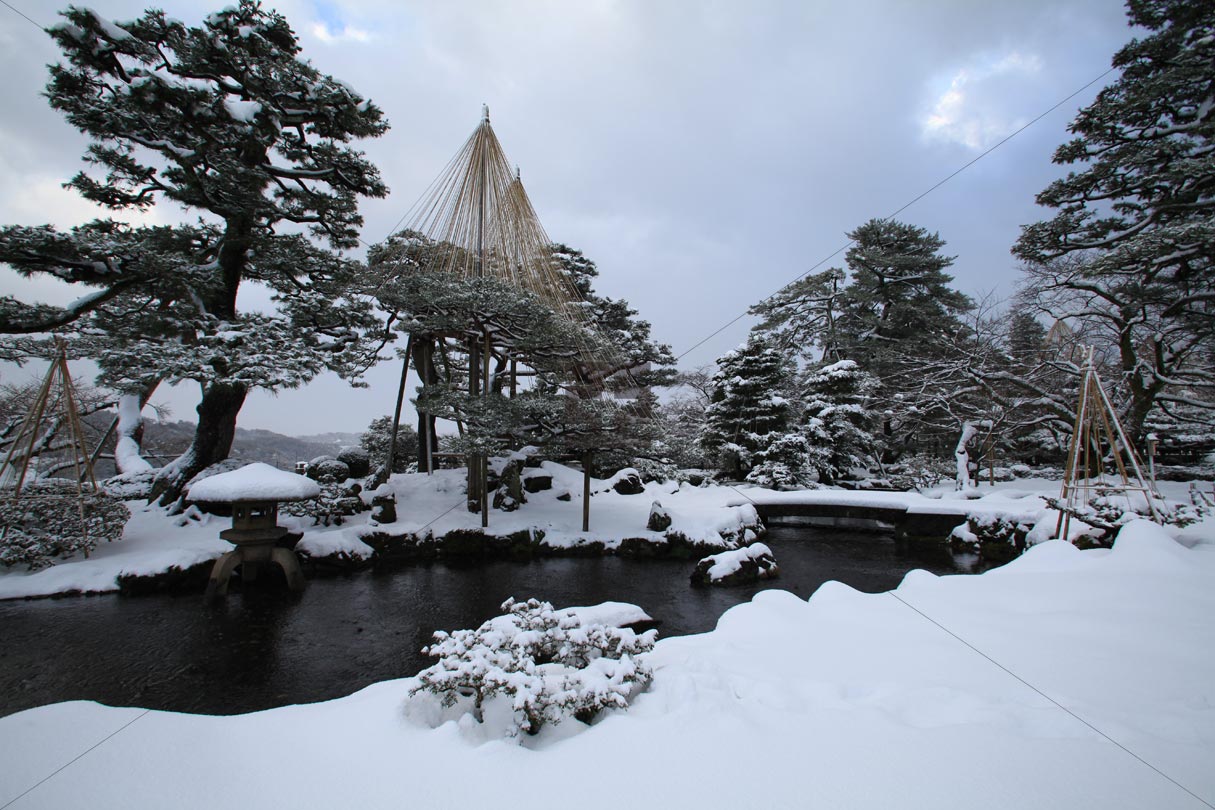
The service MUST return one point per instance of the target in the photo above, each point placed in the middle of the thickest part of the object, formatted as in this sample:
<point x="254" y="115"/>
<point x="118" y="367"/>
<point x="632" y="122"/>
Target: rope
<point x="1050" y="699"/>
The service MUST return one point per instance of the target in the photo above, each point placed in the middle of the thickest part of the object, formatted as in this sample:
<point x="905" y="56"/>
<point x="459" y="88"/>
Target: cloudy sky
<point x="702" y="153"/>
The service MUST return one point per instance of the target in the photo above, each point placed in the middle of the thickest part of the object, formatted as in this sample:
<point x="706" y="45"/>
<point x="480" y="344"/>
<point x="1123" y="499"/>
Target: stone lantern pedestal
<point x="254" y="492"/>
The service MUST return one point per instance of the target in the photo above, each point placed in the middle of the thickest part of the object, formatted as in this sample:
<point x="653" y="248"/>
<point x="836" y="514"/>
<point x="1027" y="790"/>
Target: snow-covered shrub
<point x="994" y="537"/>
<point x="45" y="524"/>
<point x="327" y="468"/>
<point x="357" y="461"/>
<point x="1111" y="510"/>
<point x="132" y="486"/>
<point x="655" y="469"/>
<point x="535" y="665"/>
<point x="335" y="503"/>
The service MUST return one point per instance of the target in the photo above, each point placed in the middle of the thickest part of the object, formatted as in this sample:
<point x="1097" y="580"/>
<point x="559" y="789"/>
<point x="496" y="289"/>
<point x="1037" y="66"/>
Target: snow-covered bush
<point x="1111" y="510"/>
<point x="535" y="665"/>
<point x="357" y="461"/>
<point x="327" y="468"/>
<point x="45" y="524"/>
<point x="132" y="486"/>
<point x="335" y="503"/>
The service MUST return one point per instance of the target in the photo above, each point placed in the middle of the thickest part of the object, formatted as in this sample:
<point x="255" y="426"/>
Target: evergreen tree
<point x="377" y="438"/>
<point x="226" y="119"/>
<point x="899" y="307"/>
<point x="838" y="420"/>
<point x="747" y="410"/>
<point x="1130" y="248"/>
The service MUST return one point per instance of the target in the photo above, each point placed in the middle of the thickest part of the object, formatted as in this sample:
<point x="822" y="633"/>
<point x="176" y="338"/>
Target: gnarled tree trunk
<point x="217" y="412"/>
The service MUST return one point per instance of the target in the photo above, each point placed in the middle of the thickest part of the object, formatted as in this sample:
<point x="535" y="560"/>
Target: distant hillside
<point x="164" y="441"/>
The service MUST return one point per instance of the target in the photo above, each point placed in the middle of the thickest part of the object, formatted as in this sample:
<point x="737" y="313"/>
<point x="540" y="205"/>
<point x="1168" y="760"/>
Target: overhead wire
<point x="901" y="209"/>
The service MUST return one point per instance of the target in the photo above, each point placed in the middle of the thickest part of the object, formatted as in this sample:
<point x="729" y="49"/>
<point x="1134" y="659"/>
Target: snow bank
<point x="846" y="700"/>
<point x="254" y="482"/>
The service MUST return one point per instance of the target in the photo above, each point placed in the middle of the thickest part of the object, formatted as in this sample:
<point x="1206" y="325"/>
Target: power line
<point x="1096" y="730"/>
<point x="902" y="208"/>
<point x="55" y="772"/>
<point x="18" y="11"/>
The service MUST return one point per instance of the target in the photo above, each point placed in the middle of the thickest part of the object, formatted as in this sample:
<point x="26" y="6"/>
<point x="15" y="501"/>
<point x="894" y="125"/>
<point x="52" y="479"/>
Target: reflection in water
<point x="269" y="648"/>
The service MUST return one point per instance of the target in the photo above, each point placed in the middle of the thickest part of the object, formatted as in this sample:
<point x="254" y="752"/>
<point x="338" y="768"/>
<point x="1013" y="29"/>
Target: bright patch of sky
<point x="331" y="27"/>
<point x="974" y="110"/>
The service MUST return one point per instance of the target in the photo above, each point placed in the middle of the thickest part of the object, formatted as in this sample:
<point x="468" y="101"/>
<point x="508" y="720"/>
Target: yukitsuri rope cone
<point x="481" y="223"/>
<point x="1096" y="437"/>
<point x="57" y="517"/>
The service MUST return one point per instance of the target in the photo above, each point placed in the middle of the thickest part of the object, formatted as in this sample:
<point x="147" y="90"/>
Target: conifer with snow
<point x="1129" y="249"/>
<point x="226" y="119"/>
<point x="838" y="418"/>
<point x="748" y="410"/>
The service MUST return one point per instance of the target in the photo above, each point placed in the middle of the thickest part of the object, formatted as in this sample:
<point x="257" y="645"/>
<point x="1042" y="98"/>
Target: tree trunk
<point x="217" y="412"/>
<point x="424" y="364"/>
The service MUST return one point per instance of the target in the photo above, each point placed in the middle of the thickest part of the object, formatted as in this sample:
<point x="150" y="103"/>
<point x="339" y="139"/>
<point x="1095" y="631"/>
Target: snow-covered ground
<point x="434" y="505"/>
<point x="1065" y="679"/>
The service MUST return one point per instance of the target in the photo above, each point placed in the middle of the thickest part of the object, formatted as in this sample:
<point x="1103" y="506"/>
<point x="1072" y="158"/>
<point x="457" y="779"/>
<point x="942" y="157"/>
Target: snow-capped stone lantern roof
<point x="257" y="482"/>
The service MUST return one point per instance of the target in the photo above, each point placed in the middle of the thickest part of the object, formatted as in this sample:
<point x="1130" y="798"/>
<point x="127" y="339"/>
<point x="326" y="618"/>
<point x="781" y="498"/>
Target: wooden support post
<point x="514" y="377"/>
<point x="587" y="460"/>
<point x="396" y="415"/>
<point x="485" y="357"/>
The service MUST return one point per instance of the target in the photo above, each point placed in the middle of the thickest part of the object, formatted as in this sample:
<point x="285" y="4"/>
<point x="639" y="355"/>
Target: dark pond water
<point x="268" y="648"/>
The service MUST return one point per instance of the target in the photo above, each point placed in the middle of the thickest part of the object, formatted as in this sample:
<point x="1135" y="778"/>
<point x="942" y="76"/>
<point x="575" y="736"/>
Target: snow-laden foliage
<point x="748" y="409"/>
<point x="336" y="502"/>
<point x="376" y="440"/>
<point x="783" y="462"/>
<point x="538" y="666"/>
<point x="1111" y="509"/>
<point x="51" y="521"/>
<point x="839" y="418"/>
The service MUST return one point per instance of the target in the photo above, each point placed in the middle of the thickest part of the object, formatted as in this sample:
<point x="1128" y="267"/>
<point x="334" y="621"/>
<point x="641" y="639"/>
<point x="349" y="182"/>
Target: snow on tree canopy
<point x="254" y="482"/>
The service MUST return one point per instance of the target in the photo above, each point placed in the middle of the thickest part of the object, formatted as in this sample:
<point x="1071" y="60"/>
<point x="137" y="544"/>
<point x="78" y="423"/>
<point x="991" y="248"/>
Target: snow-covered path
<point x="847" y="700"/>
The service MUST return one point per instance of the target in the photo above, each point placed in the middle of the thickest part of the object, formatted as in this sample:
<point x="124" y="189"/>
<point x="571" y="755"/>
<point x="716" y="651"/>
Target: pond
<point x="267" y="648"/>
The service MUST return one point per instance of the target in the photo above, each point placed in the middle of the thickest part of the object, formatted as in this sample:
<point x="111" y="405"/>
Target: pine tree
<point x="1130" y="248"/>
<point x="838" y="420"/>
<point x="225" y="119"/>
<point x="747" y="409"/>
<point x="899" y="307"/>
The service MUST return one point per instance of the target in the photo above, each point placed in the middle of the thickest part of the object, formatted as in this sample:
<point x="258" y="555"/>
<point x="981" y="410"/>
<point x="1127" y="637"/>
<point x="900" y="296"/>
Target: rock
<point x="627" y="482"/>
<point x="537" y="483"/>
<point x="385" y="508"/>
<point x="564" y="496"/>
<point x="738" y="567"/>
<point x="660" y="518"/>
<point x="509" y="494"/>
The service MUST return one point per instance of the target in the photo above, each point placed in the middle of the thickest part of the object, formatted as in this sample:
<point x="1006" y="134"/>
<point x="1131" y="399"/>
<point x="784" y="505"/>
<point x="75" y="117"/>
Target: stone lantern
<point x="254" y="492"/>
